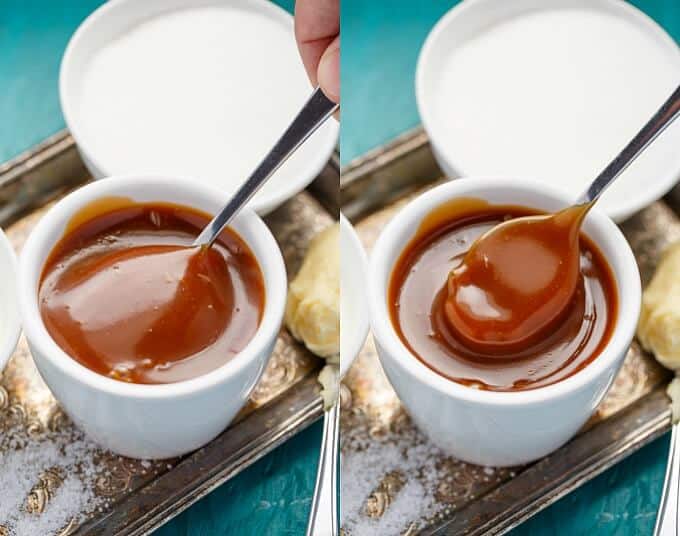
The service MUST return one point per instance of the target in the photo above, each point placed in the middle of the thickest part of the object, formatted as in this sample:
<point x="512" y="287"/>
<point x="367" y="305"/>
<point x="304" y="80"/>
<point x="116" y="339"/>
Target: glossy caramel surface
<point x="418" y="293"/>
<point x="516" y="282"/>
<point x="124" y="295"/>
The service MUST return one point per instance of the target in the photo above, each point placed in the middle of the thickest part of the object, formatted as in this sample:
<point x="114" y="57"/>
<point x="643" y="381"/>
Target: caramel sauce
<point x="125" y="295"/>
<point x="516" y="282"/>
<point x="418" y="293"/>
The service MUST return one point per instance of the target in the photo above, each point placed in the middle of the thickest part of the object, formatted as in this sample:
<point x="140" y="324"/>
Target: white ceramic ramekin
<point x="115" y="17"/>
<point x="150" y="421"/>
<point x="499" y="428"/>
<point x="10" y="320"/>
<point x="470" y="18"/>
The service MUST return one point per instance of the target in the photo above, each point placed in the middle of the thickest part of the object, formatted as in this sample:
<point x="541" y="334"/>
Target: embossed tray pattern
<point x="458" y="498"/>
<point x="132" y="497"/>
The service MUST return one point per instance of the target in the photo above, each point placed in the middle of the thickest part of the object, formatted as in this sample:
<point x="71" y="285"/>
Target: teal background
<point x="381" y="41"/>
<point x="274" y="495"/>
<point x="380" y="45"/>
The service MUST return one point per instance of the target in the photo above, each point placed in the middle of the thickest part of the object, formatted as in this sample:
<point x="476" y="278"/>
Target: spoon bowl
<point x="516" y="283"/>
<point x="517" y="280"/>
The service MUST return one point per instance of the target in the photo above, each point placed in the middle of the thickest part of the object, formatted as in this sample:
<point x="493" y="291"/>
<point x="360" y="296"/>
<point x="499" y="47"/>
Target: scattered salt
<point x="25" y="459"/>
<point x="68" y="502"/>
<point x="368" y="461"/>
<point x="395" y="482"/>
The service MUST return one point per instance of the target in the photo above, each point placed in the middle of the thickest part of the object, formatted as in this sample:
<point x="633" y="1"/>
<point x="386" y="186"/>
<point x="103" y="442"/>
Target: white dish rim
<point x="263" y="203"/>
<point x="409" y="217"/>
<point x="649" y="192"/>
<point x="268" y="252"/>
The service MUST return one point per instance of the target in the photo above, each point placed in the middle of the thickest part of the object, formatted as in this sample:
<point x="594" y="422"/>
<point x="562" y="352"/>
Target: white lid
<point x="551" y="92"/>
<point x="194" y="88"/>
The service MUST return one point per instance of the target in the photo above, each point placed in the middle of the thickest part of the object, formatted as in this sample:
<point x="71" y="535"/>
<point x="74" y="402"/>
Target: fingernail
<point x="328" y="73"/>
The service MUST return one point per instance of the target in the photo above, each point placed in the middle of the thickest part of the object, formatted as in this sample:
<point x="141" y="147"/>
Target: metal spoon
<point x="668" y="516"/>
<point x="484" y="253"/>
<point x="312" y="115"/>
<point x="656" y="125"/>
<point x="323" y="518"/>
<point x="667" y="522"/>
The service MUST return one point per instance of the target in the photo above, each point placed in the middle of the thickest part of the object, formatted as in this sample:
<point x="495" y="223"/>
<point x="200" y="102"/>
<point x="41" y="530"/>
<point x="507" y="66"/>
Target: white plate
<point x="353" y="295"/>
<point x="10" y="323"/>
<point x="218" y="82"/>
<point x="551" y="90"/>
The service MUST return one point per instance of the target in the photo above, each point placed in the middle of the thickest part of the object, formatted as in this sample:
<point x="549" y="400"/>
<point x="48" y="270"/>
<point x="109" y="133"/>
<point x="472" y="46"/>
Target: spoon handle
<point x="312" y="115"/>
<point x="323" y="517"/>
<point x="655" y="126"/>
<point x="668" y="514"/>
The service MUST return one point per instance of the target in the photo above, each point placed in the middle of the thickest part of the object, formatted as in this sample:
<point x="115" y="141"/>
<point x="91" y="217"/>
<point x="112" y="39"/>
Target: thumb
<point x="328" y="72"/>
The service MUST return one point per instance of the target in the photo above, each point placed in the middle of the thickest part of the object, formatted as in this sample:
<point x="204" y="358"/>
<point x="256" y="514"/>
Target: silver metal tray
<point x="132" y="497"/>
<point x="458" y="498"/>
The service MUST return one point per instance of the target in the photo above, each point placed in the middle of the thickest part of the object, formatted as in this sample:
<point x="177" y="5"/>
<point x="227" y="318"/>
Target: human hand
<point x="317" y="31"/>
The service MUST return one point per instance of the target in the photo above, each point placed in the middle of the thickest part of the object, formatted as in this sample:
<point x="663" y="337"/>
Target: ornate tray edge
<point x="245" y="451"/>
<point x="24" y="186"/>
<point x="605" y="452"/>
<point x="410" y="153"/>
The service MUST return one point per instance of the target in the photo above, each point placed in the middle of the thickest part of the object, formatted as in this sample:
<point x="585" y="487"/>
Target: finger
<point x="328" y="73"/>
<point x="317" y="23"/>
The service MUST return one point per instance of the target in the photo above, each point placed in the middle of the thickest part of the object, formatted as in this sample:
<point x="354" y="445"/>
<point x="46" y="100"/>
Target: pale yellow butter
<point x="313" y="308"/>
<point x="659" y="325"/>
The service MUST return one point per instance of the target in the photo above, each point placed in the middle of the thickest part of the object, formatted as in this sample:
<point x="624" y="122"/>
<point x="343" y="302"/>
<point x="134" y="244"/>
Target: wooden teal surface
<point x="380" y="45"/>
<point x="273" y="496"/>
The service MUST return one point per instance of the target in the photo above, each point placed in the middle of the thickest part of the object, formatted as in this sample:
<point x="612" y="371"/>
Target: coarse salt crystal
<point x="25" y="459"/>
